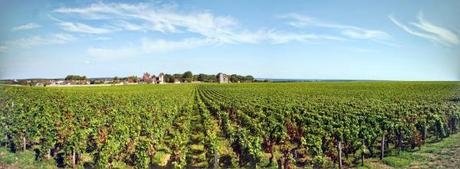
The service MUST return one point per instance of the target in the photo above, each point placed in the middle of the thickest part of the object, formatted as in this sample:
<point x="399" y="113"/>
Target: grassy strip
<point x="424" y="157"/>
<point x="21" y="159"/>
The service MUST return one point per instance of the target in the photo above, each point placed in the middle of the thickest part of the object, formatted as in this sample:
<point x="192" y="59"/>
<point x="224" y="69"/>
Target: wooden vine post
<point x="7" y="140"/>
<point x="399" y="137"/>
<point x="74" y="159"/>
<point x="215" y="161"/>
<point x="24" y="145"/>
<point x="382" y="146"/>
<point x="362" y="153"/>
<point x="339" y="147"/>
<point x="48" y="155"/>
<point x="424" y="132"/>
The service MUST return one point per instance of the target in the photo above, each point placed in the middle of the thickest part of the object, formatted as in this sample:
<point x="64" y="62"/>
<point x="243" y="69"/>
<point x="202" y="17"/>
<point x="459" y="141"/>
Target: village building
<point x="222" y="78"/>
<point x="160" y="79"/>
<point x="39" y="84"/>
<point x="56" y="82"/>
<point x="146" y="78"/>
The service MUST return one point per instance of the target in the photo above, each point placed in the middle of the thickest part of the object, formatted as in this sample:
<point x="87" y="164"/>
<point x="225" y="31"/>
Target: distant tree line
<point x="131" y="79"/>
<point x="187" y="77"/>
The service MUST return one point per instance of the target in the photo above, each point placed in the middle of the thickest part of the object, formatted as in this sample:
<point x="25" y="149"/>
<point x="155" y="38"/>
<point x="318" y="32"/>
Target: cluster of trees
<point x="131" y="79"/>
<point x="75" y="77"/>
<point x="238" y="78"/>
<point x="188" y="76"/>
<point x="205" y="78"/>
<point x="185" y="77"/>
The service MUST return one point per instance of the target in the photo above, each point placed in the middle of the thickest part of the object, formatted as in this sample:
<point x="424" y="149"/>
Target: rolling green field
<point x="253" y="125"/>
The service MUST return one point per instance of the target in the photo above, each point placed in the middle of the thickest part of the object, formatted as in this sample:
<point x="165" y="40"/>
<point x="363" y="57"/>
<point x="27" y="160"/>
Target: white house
<point x="222" y="78"/>
<point x="160" y="79"/>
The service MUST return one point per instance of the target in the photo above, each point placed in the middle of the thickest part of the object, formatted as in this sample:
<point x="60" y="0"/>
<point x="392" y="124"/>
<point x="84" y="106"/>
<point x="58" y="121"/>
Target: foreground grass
<point x="443" y="154"/>
<point x="24" y="159"/>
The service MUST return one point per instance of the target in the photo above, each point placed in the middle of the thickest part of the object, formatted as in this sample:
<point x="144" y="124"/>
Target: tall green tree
<point x="187" y="76"/>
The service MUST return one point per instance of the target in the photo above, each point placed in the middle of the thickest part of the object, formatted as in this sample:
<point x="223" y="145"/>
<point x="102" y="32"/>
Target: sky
<point x="315" y="39"/>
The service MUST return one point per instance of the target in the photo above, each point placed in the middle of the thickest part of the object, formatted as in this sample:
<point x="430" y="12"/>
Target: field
<point x="263" y="125"/>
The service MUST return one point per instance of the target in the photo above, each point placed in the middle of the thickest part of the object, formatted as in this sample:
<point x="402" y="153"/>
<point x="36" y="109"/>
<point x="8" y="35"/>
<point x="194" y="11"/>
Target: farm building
<point x="222" y="78"/>
<point x="146" y="78"/>
<point x="160" y="79"/>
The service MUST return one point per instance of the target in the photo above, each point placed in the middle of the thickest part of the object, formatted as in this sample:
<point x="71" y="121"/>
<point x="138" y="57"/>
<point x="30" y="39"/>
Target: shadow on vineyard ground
<point x="443" y="154"/>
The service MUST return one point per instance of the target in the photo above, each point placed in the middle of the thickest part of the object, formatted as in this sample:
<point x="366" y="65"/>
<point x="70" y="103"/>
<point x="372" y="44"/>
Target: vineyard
<point x="252" y="125"/>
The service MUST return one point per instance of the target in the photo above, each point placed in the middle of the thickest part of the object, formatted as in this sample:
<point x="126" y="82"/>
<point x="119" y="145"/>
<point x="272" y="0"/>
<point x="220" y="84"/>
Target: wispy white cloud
<point x="364" y="34"/>
<point x="442" y="33"/>
<point x="27" y="26"/>
<point x="147" y="46"/>
<point x="283" y="37"/>
<point x="349" y="31"/>
<point x="408" y="30"/>
<point x="428" y="31"/>
<point x="125" y="25"/>
<point x="199" y="28"/>
<point x="58" y="38"/>
<point x="83" y="28"/>
<point x="168" y="20"/>
<point x="155" y="18"/>
<point x="150" y="46"/>
<point x="103" y="11"/>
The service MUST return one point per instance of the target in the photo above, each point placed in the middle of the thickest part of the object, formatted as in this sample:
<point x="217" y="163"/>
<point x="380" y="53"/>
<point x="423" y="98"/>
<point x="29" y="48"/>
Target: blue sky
<point x="377" y="40"/>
